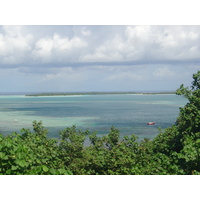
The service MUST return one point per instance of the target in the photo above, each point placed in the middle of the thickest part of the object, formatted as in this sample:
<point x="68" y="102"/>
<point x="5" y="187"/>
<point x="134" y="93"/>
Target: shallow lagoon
<point x="128" y="113"/>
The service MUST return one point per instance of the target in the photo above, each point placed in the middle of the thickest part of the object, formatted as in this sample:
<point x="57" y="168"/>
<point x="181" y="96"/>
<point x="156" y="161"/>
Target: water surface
<point x="128" y="113"/>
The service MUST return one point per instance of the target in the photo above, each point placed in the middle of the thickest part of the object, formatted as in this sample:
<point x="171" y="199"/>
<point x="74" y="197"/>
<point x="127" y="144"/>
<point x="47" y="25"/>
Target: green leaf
<point x="2" y="154"/>
<point x="14" y="167"/>
<point x="61" y="171"/>
<point x="52" y="171"/>
<point x="45" y="168"/>
<point x="68" y="172"/>
<point x="9" y="171"/>
<point x="21" y="163"/>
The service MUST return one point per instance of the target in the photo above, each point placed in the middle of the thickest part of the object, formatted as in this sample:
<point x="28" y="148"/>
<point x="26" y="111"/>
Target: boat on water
<point x="150" y="123"/>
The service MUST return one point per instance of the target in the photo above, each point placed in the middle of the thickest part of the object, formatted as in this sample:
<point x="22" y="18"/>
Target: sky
<point x="67" y="58"/>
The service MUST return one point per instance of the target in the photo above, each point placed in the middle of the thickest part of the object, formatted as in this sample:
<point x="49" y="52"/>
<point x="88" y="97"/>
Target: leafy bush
<point x="30" y="153"/>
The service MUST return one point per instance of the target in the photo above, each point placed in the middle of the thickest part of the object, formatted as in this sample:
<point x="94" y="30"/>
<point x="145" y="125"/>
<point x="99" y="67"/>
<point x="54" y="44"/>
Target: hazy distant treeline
<point x="96" y="93"/>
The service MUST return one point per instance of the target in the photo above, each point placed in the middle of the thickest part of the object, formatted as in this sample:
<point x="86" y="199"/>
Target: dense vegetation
<point x="176" y="150"/>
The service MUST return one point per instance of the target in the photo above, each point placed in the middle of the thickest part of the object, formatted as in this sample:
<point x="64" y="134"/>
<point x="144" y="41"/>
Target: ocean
<point x="127" y="112"/>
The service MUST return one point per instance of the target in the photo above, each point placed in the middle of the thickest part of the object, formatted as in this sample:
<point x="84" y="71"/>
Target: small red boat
<point x="150" y="123"/>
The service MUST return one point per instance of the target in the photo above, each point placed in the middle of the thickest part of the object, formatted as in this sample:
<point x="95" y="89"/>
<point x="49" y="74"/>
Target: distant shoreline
<point x="97" y="93"/>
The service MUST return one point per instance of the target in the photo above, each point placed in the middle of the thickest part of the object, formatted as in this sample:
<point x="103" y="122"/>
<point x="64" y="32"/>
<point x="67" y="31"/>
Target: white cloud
<point x="85" y="31"/>
<point x="110" y="50"/>
<point x="150" y="43"/>
<point x="13" y="31"/>
<point x="21" y="44"/>
<point x="43" y="49"/>
<point x="136" y="34"/>
<point x="14" y="47"/>
<point x="164" y="42"/>
<point x="58" y="49"/>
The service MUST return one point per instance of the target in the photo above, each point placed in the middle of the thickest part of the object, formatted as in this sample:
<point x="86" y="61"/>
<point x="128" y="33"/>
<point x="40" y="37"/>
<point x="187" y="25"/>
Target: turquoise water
<point x="128" y="113"/>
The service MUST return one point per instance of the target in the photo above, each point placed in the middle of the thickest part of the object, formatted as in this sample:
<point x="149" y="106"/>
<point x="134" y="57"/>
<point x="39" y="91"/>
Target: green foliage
<point x="181" y="142"/>
<point x="30" y="153"/>
<point x="175" y="150"/>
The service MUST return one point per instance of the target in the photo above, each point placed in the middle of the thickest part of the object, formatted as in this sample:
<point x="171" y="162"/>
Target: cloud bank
<point x="97" y="58"/>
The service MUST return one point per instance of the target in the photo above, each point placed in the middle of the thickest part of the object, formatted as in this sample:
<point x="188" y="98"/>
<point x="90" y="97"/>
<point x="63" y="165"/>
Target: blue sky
<point x="97" y="58"/>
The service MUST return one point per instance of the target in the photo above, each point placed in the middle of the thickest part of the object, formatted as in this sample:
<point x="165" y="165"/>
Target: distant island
<point x="96" y="93"/>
